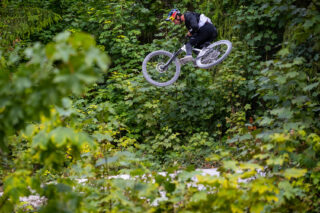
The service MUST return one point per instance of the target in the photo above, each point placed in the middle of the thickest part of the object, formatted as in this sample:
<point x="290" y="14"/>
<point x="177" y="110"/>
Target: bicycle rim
<point x="214" y="54"/>
<point x="153" y="71"/>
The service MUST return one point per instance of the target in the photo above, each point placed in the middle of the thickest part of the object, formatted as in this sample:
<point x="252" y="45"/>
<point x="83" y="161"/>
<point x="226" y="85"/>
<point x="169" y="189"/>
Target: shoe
<point x="186" y="59"/>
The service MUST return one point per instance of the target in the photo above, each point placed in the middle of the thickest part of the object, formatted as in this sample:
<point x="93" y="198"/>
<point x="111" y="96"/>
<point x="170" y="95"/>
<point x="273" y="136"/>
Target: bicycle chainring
<point x="210" y="56"/>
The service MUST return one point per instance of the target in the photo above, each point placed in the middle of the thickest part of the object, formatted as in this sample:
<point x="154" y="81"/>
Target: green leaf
<point x="289" y="192"/>
<point x="282" y="113"/>
<point x="245" y="137"/>
<point x="251" y="166"/>
<point x="100" y="162"/>
<point x="40" y="140"/>
<point x="266" y="121"/>
<point x="276" y="161"/>
<point x="83" y="40"/>
<point x="61" y="135"/>
<point x="199" y="197"/>
<point x="230" y="165"/>
<point x="160" y="179"/>
<point x="311" y="86"/>
<point x="101" y="137"/>
<point x="281" y="79"/>
<point x="294" y="173"/>
<point x="63" y="52"/>
<point x="292" y="74"/>
<point x="170" y="187"/>
<point x="50" y="50"/>
<point x="247" y="107"/>
<point x="62" y="36"/>
<point x="257" y="207"/>
<point x="283" y="52"/>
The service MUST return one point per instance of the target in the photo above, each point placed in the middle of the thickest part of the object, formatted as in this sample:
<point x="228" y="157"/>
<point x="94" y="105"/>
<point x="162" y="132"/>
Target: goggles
<point x="173" y="16"/>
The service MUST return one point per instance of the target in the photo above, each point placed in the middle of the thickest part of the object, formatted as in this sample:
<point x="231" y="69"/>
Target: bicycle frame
<point x="182" y="49"/>
<point x="158" y="62"/>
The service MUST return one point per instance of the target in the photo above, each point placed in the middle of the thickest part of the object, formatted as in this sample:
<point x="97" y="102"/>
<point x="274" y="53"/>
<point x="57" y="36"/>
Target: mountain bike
<point x="162" y="68"/>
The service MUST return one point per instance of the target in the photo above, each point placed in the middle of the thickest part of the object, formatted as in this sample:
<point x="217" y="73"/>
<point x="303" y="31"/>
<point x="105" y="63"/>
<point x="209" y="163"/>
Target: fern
<point x="19" y="22"/>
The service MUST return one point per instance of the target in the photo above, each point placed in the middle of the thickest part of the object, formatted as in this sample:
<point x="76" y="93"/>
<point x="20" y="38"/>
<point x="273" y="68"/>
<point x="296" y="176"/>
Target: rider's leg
<point x="207" y="33"/>
<point x="189" y="48"/>
<point x="188" y="56"/>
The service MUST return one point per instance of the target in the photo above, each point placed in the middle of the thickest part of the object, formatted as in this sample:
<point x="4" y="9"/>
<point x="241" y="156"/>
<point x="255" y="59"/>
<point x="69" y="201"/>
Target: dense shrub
<point x="65" y="119"/>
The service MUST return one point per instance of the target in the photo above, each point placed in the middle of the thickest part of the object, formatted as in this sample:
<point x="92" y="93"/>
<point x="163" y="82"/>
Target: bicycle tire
<point x="220" y="59"/>
<point x="148" y="77"/>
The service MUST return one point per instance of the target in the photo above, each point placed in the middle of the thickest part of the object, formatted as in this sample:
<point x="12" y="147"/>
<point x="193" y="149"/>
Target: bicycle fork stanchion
<point x="164" y="67"/>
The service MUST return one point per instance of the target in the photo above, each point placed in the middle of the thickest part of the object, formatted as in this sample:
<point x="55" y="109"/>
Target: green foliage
<point x="18" y="21"/>
<point x="70" y="130"/>
<point x="266" y="24"/>
<point x="54" y="71"/>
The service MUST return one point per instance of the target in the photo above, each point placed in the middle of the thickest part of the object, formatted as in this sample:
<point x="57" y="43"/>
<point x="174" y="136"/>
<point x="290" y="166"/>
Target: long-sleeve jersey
<point x="194" y="21"/>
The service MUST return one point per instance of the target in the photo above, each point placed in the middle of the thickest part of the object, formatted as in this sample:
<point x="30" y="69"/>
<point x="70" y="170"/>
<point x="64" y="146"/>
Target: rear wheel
<point x="214" y="54"/>
<point x="154" y="72"/>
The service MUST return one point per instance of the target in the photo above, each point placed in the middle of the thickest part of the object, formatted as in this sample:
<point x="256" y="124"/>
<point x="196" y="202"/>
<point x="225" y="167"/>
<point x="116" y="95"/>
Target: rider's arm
<point x="193" y="22"/>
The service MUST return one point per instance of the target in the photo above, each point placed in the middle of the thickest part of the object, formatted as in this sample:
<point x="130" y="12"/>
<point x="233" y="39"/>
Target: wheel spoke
<point x="155" y="68"/>
<point x="214" y="54"/>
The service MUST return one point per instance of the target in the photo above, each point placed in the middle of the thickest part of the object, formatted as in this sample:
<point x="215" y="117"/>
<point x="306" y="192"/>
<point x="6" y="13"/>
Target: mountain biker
<point x="200" y="30"/>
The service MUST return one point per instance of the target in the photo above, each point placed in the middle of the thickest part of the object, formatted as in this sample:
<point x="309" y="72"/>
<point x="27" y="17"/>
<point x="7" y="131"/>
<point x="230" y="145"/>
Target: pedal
<point x="183" y="62"/>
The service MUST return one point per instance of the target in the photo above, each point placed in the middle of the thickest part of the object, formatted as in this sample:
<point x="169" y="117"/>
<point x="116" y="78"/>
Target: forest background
<point x="75" y="106"/>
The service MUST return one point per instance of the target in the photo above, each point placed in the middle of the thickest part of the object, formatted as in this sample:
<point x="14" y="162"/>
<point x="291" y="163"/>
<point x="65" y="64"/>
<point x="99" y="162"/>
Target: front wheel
<point x="154" y="72"/>
<point x="214" y="54"/>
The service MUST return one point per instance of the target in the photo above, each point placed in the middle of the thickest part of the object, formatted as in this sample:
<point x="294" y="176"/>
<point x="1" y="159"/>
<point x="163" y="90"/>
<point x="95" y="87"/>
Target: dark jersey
<point x="191" y="21"/>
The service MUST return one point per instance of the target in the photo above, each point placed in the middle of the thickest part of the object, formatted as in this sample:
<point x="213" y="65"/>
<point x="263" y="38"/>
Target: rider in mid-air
<point x="200" y="30"/>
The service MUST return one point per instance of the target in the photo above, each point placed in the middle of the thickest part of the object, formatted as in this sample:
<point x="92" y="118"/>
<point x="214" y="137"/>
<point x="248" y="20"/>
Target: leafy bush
<point x="69" y="131"/>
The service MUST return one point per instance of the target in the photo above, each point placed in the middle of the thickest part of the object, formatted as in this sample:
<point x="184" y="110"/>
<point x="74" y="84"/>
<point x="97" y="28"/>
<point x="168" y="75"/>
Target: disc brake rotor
<point x="160" y="67"/>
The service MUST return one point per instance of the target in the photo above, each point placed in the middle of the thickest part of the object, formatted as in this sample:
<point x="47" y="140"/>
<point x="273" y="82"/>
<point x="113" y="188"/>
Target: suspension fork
<point x="164" y="67"/>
